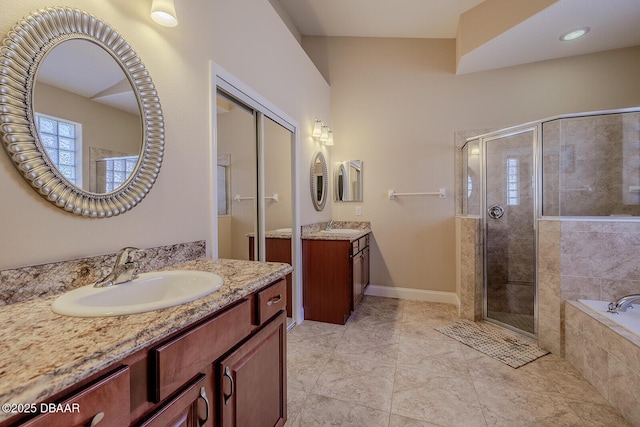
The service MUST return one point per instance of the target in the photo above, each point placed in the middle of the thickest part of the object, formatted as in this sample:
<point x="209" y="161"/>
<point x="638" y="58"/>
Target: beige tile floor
<point x="389" y="367"/>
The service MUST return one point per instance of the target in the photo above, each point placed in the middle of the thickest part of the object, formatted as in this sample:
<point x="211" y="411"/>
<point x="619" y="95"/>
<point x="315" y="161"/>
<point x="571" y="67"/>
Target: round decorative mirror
<point x="79" y="115"/>
<point x="319" y="180"/>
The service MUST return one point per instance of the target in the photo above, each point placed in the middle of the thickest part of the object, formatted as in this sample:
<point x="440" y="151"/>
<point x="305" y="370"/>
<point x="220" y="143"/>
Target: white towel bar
<point x="442" y="193"/>
<point x="238" y="198"/>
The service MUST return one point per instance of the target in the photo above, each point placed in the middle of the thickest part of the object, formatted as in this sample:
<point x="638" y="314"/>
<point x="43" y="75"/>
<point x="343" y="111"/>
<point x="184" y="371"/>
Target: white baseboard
<point x="413" y="294"/>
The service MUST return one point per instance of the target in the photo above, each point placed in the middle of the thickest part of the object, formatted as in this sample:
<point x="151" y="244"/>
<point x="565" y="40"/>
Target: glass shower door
<point x="509" y="219"/>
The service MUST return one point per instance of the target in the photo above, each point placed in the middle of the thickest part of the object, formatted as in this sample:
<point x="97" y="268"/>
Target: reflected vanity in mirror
<point x="347" y="181"/>
<point x="84" y="125"/>
<point x="319" y="180"/>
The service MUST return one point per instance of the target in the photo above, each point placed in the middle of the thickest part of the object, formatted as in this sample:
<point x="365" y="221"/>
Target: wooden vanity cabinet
<point x="277" y="250"/>
<point x="253" y="380"/>
<point x="226" y="370"/>
<point x="335" y="276"/>
<point x="360" y="269"/>
<point x="104" y="402"/>
<point x="189" y="408"/>
<point x="234" y="366"/>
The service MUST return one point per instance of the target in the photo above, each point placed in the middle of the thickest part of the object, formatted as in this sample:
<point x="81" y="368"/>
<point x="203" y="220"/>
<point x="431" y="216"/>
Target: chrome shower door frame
<point x="535" y="129"/>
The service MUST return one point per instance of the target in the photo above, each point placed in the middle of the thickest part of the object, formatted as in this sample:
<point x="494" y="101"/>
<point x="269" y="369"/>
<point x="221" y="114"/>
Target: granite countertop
<point x="43" y="353"/>
<point x="280" y="233"/>
<point x="327" y="235"/>
<point x="319" y="231"/>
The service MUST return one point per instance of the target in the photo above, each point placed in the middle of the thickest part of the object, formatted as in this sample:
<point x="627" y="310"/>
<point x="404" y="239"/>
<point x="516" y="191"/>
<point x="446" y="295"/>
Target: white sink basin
<point x="342" y="231"/>
<point x="149" y="292"/>
<point x="283" y="230"/>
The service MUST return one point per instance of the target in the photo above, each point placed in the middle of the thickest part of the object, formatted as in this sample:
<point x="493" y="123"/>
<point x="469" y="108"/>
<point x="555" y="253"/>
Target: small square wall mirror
<point x="347" y="178"/>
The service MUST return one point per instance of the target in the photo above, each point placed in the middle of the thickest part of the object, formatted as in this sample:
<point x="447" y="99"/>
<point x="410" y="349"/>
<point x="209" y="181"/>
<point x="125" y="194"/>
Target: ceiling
<point x="85" y="69"/>
<point x="614" y="24"/>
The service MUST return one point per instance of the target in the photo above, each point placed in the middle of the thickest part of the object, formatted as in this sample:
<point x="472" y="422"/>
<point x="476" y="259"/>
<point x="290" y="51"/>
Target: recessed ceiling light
<point x="574" y="34"/>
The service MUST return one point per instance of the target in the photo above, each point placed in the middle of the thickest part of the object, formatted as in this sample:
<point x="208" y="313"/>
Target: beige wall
<point x="396" y="103"/>
<point x="246" y="38"/>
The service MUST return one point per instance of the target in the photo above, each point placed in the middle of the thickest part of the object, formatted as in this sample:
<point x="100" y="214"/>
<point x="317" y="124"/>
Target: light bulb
<point x="329" y="139"/>
<point x="163" y="12"/>
<point x="574" y="34"/>
<point x="324" y="137"/>
<point x="317" y="129"/>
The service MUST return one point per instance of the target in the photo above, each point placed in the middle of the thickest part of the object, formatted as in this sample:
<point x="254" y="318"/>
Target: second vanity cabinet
<point x="335" y="276"/>
<point x="228" y="369"/>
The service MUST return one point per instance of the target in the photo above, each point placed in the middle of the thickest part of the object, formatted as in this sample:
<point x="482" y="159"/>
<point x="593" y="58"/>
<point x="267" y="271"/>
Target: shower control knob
<point x="495" y="211"/>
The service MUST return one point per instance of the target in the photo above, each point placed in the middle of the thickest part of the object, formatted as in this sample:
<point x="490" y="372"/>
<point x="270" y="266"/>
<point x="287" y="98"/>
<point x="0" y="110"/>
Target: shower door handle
<point x="495" y="211"/>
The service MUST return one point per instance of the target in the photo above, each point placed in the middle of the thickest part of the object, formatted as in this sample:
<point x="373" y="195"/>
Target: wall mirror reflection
<point x="236" y="139"/>
<point x="319" y="180"/>
<point x="87" y="116"/>
<point x="347" y="181"/>
<point x="84" y="126"/>
<point x="224" y="184"/>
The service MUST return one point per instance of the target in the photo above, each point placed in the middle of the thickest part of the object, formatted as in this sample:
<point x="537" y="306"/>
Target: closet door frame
<point x="225" y="81"/>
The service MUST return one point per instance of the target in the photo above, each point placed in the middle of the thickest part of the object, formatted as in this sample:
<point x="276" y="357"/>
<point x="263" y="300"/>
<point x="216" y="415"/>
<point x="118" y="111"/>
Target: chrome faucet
<point x="330" y="225"/>
<point x="623" y="303"/>
<point x="124" y="270"/>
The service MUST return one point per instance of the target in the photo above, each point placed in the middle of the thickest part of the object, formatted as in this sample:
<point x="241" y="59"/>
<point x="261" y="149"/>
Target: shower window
<point x="513" y="182"/>
<point x="116" y="171"/>
<point x="61" y="141"/>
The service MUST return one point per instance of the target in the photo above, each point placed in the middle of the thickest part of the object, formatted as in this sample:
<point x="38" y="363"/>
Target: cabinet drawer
<point x="182" y="358"/>
<point x="108" y="396"/>
<point x="183" y="409"/>
<point x="270" y="301"/>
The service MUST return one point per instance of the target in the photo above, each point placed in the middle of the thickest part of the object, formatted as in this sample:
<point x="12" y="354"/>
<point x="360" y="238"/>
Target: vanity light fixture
<point x="574" y="34"/>
<point x="317" y="128"/>
<point x="329" y="141"/>
<point x="163" y="12"/>
<point x="324" y="137"/>
<point x="322" y="133"/>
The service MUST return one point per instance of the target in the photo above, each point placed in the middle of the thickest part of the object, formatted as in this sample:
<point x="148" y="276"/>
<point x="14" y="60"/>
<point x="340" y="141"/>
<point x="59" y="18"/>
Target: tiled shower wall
<point x="469" y="265"/>
<point x="591" y="165"/>
<point x="577" y="259"/>
<point x="598" y="260"/>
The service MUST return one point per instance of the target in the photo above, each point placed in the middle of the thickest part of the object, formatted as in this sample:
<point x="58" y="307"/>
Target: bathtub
<point x="605" y="348"/>
<point x="630" y="320"/>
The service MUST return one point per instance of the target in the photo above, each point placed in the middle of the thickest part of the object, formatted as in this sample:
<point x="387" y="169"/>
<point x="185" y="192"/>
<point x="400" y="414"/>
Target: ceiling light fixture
<point x="163" y="12"/>
<point x="574" y="34"/>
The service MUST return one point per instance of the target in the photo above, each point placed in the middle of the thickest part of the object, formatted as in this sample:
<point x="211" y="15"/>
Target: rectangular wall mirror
<point x="347" y="179"/>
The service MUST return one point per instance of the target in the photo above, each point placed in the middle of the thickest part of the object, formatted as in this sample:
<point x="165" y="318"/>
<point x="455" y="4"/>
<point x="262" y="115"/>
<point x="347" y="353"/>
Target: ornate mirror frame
<point x="319" y="204"/>
<point x="21" y="52"/>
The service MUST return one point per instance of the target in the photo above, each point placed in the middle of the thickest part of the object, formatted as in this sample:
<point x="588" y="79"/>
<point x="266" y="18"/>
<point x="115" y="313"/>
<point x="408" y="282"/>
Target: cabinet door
<point x="189" y="408"/>
<point x="357" y="280"/>
<point x="366" y="266"/>
<point x="253" y="380"/>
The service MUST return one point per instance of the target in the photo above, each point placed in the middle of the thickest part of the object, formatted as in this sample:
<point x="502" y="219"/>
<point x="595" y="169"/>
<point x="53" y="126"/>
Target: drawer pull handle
<point x="96" y="419"/>
<point x="227" y="373"/>
<point x="274" y="300"/>
<point x="203" y="396"/>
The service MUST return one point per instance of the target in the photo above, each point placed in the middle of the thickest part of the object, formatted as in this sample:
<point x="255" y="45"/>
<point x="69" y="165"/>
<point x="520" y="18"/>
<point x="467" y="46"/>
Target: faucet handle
<point x="126" y="255"/>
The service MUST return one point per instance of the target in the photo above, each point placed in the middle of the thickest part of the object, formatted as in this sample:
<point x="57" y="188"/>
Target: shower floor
<point x="523" y="322"/>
